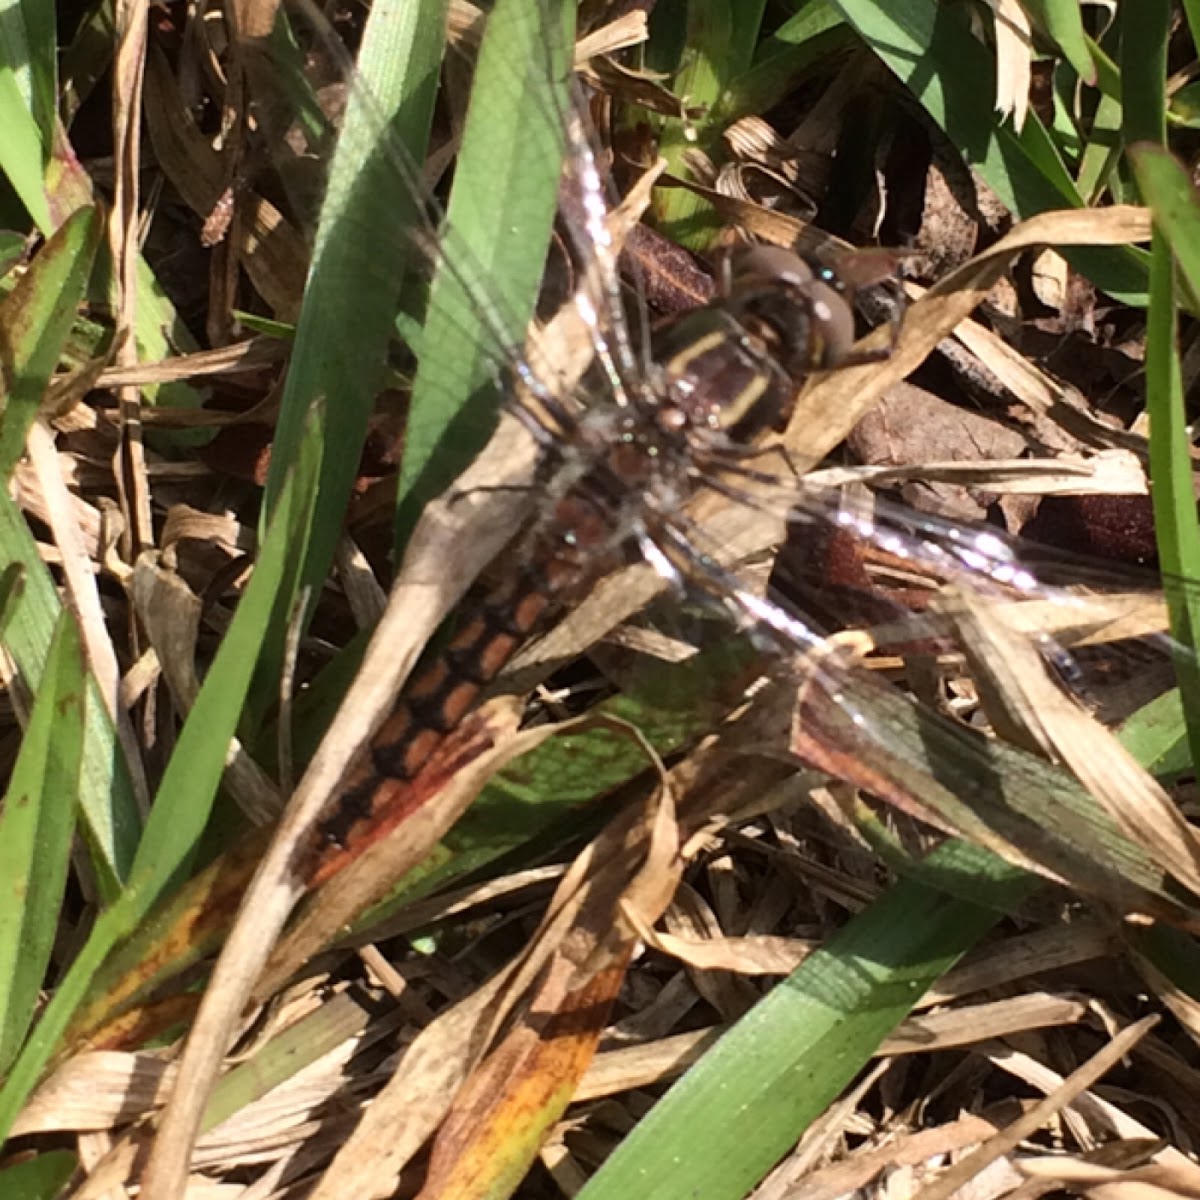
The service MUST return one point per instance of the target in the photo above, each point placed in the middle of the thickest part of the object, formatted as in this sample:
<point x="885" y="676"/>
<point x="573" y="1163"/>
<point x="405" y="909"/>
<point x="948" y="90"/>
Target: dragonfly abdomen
<point x="559" y="559"/>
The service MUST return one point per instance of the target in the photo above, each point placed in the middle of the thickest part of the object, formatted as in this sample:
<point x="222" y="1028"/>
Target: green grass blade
<point x="500" y="214"/>
<point x="813" y="33"/>
<point x="718" y="49"/>
<point x="12" y="250"/>
<point x="48" y="179"/>
<point x="1156" y="735"/>
<point x="1191" y="10"/>
<point x="722" y="1127"/>
<point x="28" y="46"/>
<point x="1145" y="35"/>
<point x="85" y="60"/>
<point x="106" y="800"/>
<point x="1177" y="223"/>
<point x="12" y="585"/>
<point x="1102" y="152"/>
<point x="37" y="820"/>
<point x="1168" y="191"/>
<point x="297" y="1046"/>
<point x="43" y="171"/>
<point x="354" y="283"/>
<point x="22" y="153"/>
<point x="1172" y="952"/>
<point x="28" y="100"/>
<point x="35" y="321"/>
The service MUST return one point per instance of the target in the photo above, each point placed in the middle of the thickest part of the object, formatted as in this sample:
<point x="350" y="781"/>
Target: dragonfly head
<point x="808" y="308"/>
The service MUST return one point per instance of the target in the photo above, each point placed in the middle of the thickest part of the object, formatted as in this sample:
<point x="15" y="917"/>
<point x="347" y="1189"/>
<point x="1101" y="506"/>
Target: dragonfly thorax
<point x="731" y="369"/>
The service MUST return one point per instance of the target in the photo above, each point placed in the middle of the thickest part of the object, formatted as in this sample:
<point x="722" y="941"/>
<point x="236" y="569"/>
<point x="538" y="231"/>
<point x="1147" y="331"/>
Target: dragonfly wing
<point x="1052" y="789"/>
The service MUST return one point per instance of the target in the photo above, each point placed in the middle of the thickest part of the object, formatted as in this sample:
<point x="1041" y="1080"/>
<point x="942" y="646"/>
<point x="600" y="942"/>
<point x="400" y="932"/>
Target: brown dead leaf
<point x="97" y="1090"/>
<point x="760" y="955"/>
<point x="501" y="1115"/>
<point x="916" y="1149"/>
<point x="1044" y="396"/>
<point x="1109" y="473"/>
<point x="412" y="1104"/>
<point x="910" y="425"/>
<point x="1014" y="58"/>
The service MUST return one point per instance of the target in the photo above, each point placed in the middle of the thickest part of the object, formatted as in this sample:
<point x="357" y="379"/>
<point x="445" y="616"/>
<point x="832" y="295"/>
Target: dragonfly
<point x="655" y="426"/>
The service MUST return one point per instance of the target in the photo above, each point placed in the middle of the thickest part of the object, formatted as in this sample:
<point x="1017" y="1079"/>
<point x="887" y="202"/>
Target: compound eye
<point x="759" y="267"/>
<point x="832" y="324"/>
